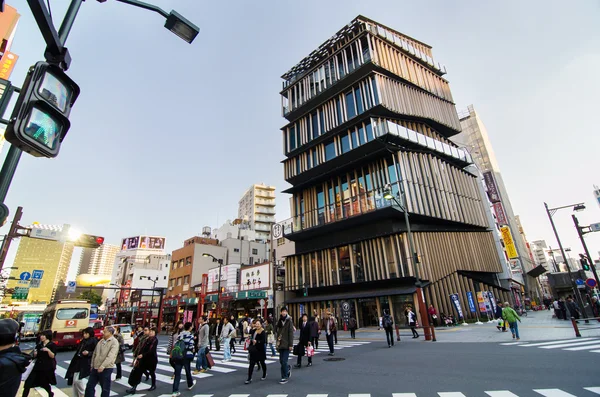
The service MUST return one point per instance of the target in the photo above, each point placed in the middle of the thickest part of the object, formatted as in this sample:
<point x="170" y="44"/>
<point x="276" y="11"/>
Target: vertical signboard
<point x="509" y="244"/>
<point x="456" y="301"/>
<point x="472" y="308"/>
<point x="492" y="188"/>
<point x="500" y="214"/>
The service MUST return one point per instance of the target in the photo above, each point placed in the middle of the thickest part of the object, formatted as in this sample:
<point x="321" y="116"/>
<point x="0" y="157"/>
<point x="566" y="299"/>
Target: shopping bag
<point x="209" y="360"/>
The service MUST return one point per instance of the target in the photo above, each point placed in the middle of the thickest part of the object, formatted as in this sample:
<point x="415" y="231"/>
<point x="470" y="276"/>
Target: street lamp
<point x="154" y="280"/>
<point x="388" y="195"/>
<point x="220" y="261"/>
<point x="551" y="211"/>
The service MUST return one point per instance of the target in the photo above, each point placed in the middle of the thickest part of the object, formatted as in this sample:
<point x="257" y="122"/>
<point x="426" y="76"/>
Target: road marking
<point x="569" y="344"/>
<point x="556" y="342"/>
<point x="451" y="394"/>
<point x="553" y="393"/>
<point x="512" y="343"/>
<point x="60" y="371"/>
<point x="316" y="395"/>
<point x="404" y="395"/>
<point x="583" y="348"/>
<point x="500" y="393"/>
<point x="199" y="395"/>
<point x="593" y="389"/>
<point x="239" y="395"/>
<point x="57" y="392"/>
<point x="276" y="395"/>
<point x="359" y="395"/>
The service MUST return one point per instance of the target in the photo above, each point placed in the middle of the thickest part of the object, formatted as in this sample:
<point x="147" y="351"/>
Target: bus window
<point x="93" y="311"/>
<point x="71" y="314"/>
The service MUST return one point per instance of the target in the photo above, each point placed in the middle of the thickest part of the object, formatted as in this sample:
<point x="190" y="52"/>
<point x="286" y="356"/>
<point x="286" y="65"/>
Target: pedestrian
<point x="182" y="355"/>
<point x="510" y="315"/>
<point x="203" y="342"/>
<point x="596" y="307"/>
<point x="388" y="326"/>
<point x="270" y="335"/>
<point x="330" y="328"/>
<point x="573" y="308"/>
<point x="412" y="321"/>
<point x="303" y="341"/>
<point x="103" y="362"/>
<point x="138" y="334"/>
<point x="501" y="324"/>
<point x="335" y="329"/>
<point x="80" y="365"/>
<point x="257" y="351"/>
<point x="42" y="374"/>
<point x="218" y="330"/>
<point x="146" y="362"/>
<point x="433" y="315"/>
<point x="121" y="356"/>
<point x="226" y="334"/>
<point x="233" y="336"/>
<point x="314" y="331"/>
<point x="563" y="309"/>
<point x="352" y="326"/>
<point x="284" y="334"/>
<point x="177" y="330"/>
<point x="13" y="362"/>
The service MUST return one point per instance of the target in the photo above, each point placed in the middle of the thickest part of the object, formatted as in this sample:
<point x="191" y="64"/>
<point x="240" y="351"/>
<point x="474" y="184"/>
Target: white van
<point x="126" y="331"/>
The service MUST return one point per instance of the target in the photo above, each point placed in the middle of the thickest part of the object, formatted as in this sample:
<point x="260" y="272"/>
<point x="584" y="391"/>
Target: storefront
<point x="252" y="303"/>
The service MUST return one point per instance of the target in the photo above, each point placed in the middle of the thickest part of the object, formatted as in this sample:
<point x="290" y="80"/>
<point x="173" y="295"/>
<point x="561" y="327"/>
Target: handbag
<point x="246" y="344"/>
<point x="209" y="360"/>
<point x="296" y="351"/>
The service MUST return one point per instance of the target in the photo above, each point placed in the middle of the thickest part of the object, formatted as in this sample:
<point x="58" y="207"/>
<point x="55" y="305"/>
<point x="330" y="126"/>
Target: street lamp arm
<point x="145" y="6"/>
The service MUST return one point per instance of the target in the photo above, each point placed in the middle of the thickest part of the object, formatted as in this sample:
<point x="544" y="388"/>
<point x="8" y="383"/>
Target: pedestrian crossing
<point x="164" y="371"/>
<point x="591" y="345"/>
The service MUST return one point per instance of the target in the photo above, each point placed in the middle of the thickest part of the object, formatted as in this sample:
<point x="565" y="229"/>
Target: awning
<point x="354" y="295"/>
<point x="537" y="271"/>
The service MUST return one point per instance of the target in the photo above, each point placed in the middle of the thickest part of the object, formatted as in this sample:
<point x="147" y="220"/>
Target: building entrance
<point x="368" y="312"/>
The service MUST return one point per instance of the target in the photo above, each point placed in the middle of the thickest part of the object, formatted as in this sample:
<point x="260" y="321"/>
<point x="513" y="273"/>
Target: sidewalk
<point x="536" y="326"/>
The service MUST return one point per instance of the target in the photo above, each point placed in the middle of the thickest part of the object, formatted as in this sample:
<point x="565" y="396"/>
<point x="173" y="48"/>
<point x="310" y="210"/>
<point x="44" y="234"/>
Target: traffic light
<point x="305" y="291"/>
<point x="89" y="241"/>
<point x="584" y="262"/>
<point x="40" y="120"/>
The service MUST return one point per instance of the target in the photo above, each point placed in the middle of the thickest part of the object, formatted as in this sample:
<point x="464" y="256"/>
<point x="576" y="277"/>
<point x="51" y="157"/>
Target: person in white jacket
<point x="226" y="334"/>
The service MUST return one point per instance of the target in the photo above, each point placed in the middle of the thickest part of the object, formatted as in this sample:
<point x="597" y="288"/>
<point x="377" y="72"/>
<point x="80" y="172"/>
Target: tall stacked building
<point x="367" y="110"/>
<point x="474" y="138"/>
<point x="98" y="261"/>
<point x="257" y="208"/>
<point x="50" y="256"/>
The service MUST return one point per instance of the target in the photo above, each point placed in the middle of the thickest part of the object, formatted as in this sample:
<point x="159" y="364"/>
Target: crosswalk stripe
<point x="359" y="395"/>
<point x="568" y="344"/>
<point x="595" y="351"/>
<point x="165" y="378"/>
<point x="583" y="348"/>
<point x="556" y="342"/>
<point x="500" y="393"/>
<point x="203" y="395"/>
<point x="553" y="393"/>
<point x="316" y="395"/>
<point x="512" y="343"/>
<point x="404" y="395"/>
<point x="593" y="389"/>
<point x="276" y="395"/>
<point x="57" y="392"/>
<point x="452" y="394"/>
<point x="239" y="395"/>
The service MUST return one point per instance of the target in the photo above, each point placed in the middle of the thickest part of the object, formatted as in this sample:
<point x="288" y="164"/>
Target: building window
<point x="345" y="143"/>
<point x="172" y="282"/>
<point x="329" y="150"/>
<point x="179" y="281"/>
<point x="186" y="280"/>
<point x="174" y="265"/>
<point x="350" y="110"/>
<point x="236" y="250"/>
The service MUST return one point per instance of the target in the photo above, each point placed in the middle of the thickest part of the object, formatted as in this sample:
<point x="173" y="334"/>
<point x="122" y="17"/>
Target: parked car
<point x="126" y="333"/>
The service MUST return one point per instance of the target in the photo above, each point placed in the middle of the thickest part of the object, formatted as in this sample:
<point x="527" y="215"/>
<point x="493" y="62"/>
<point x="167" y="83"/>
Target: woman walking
<point x="80" y="365"/>
<point x="177" y="330"/>
<point x="412" y="322"/>
<point x="42" y="374"/>
<point x="121" y="355"/>
<point x="147" y="360"/>
<point x="270" y="335"/>
<point x="257" y="351"/>
<point x="510" y="315"/>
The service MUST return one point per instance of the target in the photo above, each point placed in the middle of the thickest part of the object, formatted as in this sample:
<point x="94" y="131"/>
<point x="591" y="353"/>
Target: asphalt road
<point x="423" y="368"/>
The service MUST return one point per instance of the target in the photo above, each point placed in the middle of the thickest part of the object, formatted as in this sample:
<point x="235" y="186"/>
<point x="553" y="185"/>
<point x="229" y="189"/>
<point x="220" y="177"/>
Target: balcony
<point x="270" y="203"/>
<point x="265" y="193"/>
<point x="262" y="227"/>
<point x="348" y="208"/>
<point x="263" y="210"/>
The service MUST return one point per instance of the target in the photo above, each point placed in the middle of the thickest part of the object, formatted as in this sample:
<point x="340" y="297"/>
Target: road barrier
<point x="428" y="332"/>
<point x="577" y="326"/>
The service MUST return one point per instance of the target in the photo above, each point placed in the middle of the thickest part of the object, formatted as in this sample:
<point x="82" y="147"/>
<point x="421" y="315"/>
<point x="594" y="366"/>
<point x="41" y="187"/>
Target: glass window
<point x="354" y="139"/>
<point x="329" y="150"/>
<point x="350" y="59"/>
<point x="344" y="264"/>
<point x="338" y="109"/>
<point x="322" y="121"/>
<point x="186" y="280"/>
<point x="359" y="270"/>
<point x="292" y="138"/>
<point x="370" y="136"/>
<point x="72" y="313"/>
<point x="359" y="102"/>
<point x="332" y="71"/>
<point x="334" y="268"/>
<point x="361" y="135"/>
<point x="375" y="95"/>
<point x="340" y="62"/>
<point x="315" y="158"/>
<point x="315" y="124"/>
<point x="179" y="280"/>
<point x="365" y="49"/>
<point x="254" y="251"/>
<point x="345" y="143"/>
<point x="350" y="105"/>
<point x="298" y="163"/>
<point x="320" y="269"/>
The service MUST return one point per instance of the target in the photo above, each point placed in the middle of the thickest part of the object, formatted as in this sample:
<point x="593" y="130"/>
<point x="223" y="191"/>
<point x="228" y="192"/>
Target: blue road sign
<point x="591" y="282"/>
<point x="71" y="286"/>
<point x="37" y="274"/>
<point x="579" y="281"/>
<point x="25" y="276"/>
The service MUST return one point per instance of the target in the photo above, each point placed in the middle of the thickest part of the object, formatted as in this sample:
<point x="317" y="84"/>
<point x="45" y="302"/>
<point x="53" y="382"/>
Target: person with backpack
<point x="388" y="326"/>
<point x="511" y="317"/>
<point x="182" y="355"/>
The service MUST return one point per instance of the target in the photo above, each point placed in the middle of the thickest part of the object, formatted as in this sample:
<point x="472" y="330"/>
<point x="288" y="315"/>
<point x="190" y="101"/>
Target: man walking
<point x="284" y="332"/>
<point x="103" y="362"/>
<point x="330" y="329"/>
<point x="12" y="362"/>
<point x="388" y="326"/>
<point x="201" y="362"/>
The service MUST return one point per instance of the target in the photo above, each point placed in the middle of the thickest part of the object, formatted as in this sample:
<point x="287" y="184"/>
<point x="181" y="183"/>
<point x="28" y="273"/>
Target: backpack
<point x="387" y="322"/>
<point x="179" y="350"/>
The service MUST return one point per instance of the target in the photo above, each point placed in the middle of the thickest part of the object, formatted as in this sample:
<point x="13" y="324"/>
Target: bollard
<point x="575" y="327"/>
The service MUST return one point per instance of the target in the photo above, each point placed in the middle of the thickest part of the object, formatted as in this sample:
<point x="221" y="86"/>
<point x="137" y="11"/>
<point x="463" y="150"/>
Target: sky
<point x="167" y="136"/>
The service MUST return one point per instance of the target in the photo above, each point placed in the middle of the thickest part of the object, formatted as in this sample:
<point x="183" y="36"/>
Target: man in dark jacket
<point x="12" y="362"/>
<point x="303" y="341"/>
<point x="284" y="338"/>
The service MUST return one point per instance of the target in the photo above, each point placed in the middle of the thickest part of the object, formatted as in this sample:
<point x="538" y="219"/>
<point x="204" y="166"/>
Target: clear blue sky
<point x="166" y="136"/>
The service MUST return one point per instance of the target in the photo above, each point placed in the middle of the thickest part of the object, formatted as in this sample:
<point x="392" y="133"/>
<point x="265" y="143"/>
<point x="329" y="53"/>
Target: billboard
<point x="143" y="242"/>
<point x="500" y="214"/>
<point x="509" y="243"/>
<point x="255" y="277"/>
<point x="492" y="188"/>
<point x="7" y="63"/>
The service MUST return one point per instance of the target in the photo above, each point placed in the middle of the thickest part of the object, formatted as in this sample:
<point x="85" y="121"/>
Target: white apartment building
<point x="257" y="207"/>
<point x="98" y="261"/>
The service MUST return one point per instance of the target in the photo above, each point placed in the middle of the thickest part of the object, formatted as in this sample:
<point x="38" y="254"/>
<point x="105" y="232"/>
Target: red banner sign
<point x="204" y="287"/>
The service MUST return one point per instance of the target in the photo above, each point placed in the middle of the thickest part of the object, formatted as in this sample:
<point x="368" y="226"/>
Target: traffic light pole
<point x="12" y="233"/>
<point x="580" y="232"/>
